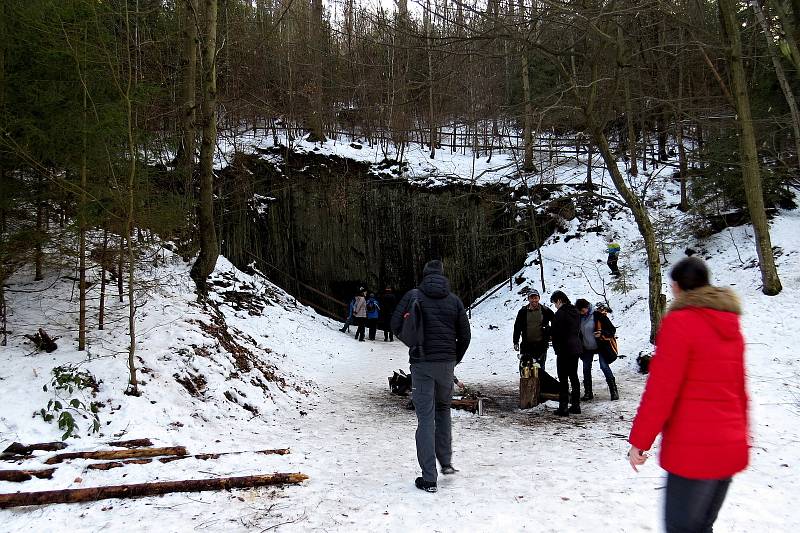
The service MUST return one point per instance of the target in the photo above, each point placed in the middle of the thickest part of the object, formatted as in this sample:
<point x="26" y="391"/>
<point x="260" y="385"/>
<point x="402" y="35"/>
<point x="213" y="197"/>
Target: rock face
<point x="323" y="223"/>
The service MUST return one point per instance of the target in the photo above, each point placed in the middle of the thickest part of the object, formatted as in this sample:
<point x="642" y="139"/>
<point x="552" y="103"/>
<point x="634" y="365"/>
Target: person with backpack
<point x="360" y="313"/>
<point x="432" y="322"/>
<point x="595" y="327"/>
<point x="605" y="334"/>
<point x="373" y="312"/>
<point x="532" y="327"/>
<point x="568" y="348"/>
<point x="349" y="320"/>
<point x="388" y="302"/>
<point x="696" y="397"/>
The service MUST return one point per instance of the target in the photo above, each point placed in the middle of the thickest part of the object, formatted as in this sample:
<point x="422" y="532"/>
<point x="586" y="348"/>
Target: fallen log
<point x="133" y="443"/>
<point x="17" y="449"/>
<point x="207" y="456"/>
<point x="25" y="475"/>
<point x="146" y="489"/>
<point x="169" y="459"/>
<point x="117" y="454"/>
<point x="43" y="341"/>
<point x="118" y="464"/>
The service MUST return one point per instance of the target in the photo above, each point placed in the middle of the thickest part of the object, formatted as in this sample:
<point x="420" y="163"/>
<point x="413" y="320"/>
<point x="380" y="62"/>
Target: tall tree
<point x="751" y="172"/>
<point x="207" y="233"/>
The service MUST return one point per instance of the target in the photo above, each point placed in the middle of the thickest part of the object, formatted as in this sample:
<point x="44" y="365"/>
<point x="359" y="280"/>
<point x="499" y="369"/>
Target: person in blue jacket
<point x="613" y="250"/>
<point x="373" y="312"/>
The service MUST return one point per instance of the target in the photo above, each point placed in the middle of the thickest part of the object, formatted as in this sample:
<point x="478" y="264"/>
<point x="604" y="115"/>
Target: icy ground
<point x="519" y="470"/>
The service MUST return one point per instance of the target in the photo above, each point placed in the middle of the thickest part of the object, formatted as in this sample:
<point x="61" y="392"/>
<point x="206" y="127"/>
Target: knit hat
<point x="533" y="292"/>
<point x="433" y="267"/>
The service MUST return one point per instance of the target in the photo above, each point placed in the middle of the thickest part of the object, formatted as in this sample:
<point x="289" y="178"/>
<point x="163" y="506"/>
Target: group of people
<point x="695" y="395"/>
<point x="578" y="333"/>
<point x="367" y="312"/>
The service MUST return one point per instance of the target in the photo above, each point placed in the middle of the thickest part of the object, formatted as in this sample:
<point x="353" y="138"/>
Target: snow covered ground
<point x="309" y="387"/>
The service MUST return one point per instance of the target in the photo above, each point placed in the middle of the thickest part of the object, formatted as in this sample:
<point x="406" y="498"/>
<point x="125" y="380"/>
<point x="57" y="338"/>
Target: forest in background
<point x="110" y="111"/>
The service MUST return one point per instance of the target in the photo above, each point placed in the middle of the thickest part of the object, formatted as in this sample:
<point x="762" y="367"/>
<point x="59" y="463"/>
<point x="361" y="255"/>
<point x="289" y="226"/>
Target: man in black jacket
<point x="565" y="333"/>
<point x="446" y="337"/>
<point x="532" y="326"/>
<point x="388" y="301"/>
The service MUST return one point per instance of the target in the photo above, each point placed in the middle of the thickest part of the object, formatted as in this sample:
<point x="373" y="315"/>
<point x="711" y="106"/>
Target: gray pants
<point x="432" y="390"/>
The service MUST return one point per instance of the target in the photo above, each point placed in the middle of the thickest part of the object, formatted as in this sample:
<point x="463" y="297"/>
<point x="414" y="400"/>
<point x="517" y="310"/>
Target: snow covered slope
<point x="287" y="378"/>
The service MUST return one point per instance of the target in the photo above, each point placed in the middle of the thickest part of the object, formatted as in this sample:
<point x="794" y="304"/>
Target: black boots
<point x="587" y="387"/>
<point x="612" y="388"/>
<point x="427" y="486"/>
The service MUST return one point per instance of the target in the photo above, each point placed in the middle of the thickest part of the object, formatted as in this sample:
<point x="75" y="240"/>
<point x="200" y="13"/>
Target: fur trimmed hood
<point x="708" y="297"/>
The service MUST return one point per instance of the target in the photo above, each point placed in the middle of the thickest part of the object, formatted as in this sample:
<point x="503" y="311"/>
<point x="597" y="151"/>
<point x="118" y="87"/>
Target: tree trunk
<point x="39" y="254"/>
<point x="188" y="12"/>
<point x="527" y="134"/>
<point x="639" y="211"/>
<point x="101" y="313"/>
<point x="207" y="259"/>
<point x="631" y="128"/>
<point x="432" y="136"/>
<point x="82" y="219"/>
<point x="146" y="489"/>
<point x="751" y="173"/>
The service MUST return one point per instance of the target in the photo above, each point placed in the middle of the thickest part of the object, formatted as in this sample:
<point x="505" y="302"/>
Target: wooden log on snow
<point x="25" y="475"/>
<point x="118" y="464"/>
<point x="169" y="459"/>
<point x="146" y="489"/>
<point x="529" y="389"/>
<point x="133" y="443"/>
<point x="112" y="455"/>
<point x="17" y="450"/>
<point x="43" y="341"/>
<point x="207" y="456"/>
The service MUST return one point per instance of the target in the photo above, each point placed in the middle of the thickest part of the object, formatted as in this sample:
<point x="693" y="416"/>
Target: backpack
<point x="370" y="306"/>
<point x="607" y="344"/>
<point x="400" y="383"/>
<point x="411" y="331"/>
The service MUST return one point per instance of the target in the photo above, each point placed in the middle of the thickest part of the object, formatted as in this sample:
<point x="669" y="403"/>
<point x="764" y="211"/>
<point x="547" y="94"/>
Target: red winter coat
<point x="695" y="395"/>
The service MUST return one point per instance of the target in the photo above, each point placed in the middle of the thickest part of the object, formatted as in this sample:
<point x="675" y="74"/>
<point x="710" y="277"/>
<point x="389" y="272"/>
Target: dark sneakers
<point x="448" y="470"/>
<point x="562" y="412"/>
<point x="427" y="486"/>
<point x="575" y="409"/>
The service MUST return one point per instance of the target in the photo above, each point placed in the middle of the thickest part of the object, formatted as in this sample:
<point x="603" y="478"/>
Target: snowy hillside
<point x="285" y="377"/>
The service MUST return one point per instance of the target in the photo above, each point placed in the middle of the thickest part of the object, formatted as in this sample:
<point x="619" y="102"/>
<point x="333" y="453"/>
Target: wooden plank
<point x="25" y="475"/>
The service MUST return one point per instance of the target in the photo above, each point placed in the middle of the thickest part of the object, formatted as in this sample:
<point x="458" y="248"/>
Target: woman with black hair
<point x="567" y="345"/>
<point x="696" y="398"/>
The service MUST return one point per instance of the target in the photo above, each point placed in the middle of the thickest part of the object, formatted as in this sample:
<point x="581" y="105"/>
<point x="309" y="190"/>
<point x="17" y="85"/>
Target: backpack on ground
<point x="400" y="383"/>
<point x="411" y="331"/>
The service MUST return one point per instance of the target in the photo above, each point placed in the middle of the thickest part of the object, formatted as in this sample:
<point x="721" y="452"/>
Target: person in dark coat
<point x="388" y="301"/>
<point x="568" y="348"/>
<point x="446" y="336"/>
<point x="532" y="327"/>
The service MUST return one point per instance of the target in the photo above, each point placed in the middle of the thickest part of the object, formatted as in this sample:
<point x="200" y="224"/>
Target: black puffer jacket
<point x="444" y="320"/>
<point x="565" y="331"/>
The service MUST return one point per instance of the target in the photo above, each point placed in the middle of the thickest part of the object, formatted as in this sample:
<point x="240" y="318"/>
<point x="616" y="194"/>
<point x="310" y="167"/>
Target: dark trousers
<point x="387" y="331"/>
<point x="692" y="505"/>
<point x="361" y="322"/>
<point x="612" y="264"/>
<point x="567" y="367"/>
<point x="372" y="324"/>
<point x="347" y="323"/>
<point x="533" y="352"/>
<point x="432" y="392"/>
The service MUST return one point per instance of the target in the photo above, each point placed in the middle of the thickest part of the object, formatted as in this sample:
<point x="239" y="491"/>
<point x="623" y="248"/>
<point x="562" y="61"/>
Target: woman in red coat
<point x="696" y="398"/>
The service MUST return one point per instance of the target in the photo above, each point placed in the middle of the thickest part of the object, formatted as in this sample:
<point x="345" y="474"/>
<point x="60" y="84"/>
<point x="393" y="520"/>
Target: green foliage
<point x="64" y="407"/>
<point x="720" y="187"/>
